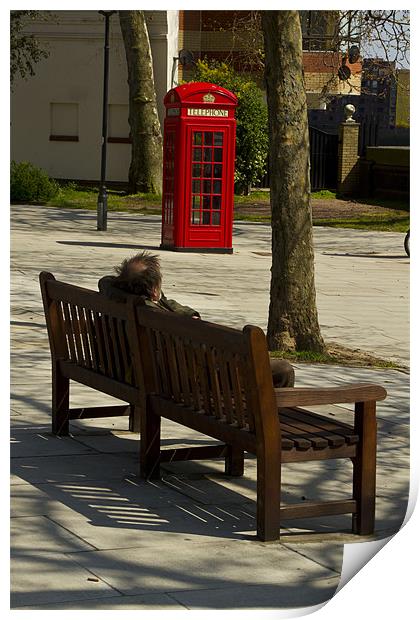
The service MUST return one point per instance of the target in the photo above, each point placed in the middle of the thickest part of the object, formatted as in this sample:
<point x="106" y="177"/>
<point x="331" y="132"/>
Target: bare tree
<point x="341" y="38"/>
<point x="293" y="320"/>
<point x="145" y="174"/>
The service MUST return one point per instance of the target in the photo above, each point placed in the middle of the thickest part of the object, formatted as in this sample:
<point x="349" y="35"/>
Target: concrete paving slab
<point x="68" y="468"/>
<point x="153" y="602"/>
<point x="133" y="524"/>
<point x="266" y="597"/>
<point x="43" y="578"/>
<point x="41" y="534"/>
<point x="27" y="500"/>
<point x="40" y="442"/>
<point x="210" y="565"/>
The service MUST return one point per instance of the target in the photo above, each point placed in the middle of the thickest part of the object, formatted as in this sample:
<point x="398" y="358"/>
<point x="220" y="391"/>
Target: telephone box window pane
<point x="195" y="218"/>
<point x="207" y="154"/>
<point x="197" y="155"/>
<point x="195" y="203"/>
<point x="206" y="202"/>
<point x="215" y="218"/>
<point x="217" y="202"/>
<point x="217" y="187"/>
<point x="207" y="171"/>
<point x="217" y="171"/>
<point x="218" y="138"/>
<point x="208" y="138"/>
<point x="196" y="186"/>
<point x="196" y="170"/>
<point x="206" y="217"/>
<point x="206" y="187"/>
<point x="218" y="154"/>
<point x="198" y="137"/>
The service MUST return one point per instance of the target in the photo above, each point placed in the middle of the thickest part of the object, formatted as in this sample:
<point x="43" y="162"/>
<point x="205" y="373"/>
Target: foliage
<point x="25" y="50"/>
<point x="30" y="184"/>
<point x="251" y="117"/>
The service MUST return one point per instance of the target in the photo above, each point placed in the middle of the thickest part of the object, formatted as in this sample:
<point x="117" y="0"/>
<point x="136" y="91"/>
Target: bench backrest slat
<point x="199" y="365"/>
<point x="89" y="330"/>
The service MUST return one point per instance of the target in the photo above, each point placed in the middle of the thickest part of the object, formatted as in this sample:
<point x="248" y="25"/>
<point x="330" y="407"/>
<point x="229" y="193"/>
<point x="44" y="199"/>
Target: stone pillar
<point x="348" y="159"/>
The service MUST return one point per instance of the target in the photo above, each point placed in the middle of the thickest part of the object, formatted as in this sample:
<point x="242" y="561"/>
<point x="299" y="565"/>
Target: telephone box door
<point x="207" y="193"/>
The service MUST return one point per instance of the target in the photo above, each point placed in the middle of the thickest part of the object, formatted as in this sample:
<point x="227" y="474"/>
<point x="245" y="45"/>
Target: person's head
<point x="140" y="275"/>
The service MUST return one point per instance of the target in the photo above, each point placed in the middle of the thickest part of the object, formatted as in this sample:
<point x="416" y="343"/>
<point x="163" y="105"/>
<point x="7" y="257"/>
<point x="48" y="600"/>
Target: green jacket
<point x="109" y="287"/>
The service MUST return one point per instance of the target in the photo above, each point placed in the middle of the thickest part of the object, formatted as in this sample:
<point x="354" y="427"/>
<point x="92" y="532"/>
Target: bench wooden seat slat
<point x="214" y="380"/>
<point x="319" y="438"/>
<point x="299" y="441"/>
<point x="336" y="433"/>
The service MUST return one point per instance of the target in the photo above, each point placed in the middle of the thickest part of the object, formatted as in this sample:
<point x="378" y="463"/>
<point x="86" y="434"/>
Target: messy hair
<point x="139" y="274"/>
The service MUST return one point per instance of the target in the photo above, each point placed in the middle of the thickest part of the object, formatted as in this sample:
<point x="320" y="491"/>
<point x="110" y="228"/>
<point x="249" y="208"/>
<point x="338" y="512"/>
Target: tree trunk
<point x="293" y="319"/>
<point x="145" y="174"/>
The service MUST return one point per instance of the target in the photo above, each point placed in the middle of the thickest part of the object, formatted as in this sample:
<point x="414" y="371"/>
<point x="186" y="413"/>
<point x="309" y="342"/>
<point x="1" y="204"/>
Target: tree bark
<point x="145" y="174"/>
<point x="293" y="318"/>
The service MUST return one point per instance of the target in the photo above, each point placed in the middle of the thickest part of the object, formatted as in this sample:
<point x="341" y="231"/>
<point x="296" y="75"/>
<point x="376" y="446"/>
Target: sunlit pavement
<point x="88" y="533"/>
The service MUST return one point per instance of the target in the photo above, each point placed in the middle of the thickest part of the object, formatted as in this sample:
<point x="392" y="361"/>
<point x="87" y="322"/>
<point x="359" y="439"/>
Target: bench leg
<point x="268" y="496"/>
<point x="149" y="445"/>
<point x="234" y="461"/>
<point x="364" y="473"/>
<point x="134" y="424"/>
<point x="60" y="402"/>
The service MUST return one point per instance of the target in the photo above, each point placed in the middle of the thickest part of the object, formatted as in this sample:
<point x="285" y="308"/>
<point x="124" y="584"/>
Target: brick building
<point x="234" y="36"/>
<point x="382" y="107"/>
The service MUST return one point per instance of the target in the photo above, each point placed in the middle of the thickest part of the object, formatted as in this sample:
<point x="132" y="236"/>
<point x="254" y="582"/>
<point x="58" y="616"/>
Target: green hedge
<point x="251" y="117"/>
<point x="30" y="184"/>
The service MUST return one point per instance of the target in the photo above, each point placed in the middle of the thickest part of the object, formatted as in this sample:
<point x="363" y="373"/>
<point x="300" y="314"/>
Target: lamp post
<point x="102" y="196"/>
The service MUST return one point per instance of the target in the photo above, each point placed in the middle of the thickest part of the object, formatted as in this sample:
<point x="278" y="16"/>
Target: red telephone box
<point x="198" y="168"/>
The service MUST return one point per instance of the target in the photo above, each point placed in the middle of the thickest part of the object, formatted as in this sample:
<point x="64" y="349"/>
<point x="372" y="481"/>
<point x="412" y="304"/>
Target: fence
<point x="324" y="160"/>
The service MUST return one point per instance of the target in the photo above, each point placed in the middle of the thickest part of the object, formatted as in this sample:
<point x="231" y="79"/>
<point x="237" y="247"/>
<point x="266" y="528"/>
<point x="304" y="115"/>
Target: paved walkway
<point x="87" y="533"/>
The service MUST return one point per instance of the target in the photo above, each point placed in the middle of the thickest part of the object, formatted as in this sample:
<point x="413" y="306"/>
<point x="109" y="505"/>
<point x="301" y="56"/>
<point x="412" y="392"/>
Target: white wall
<point x="73" y="73"/>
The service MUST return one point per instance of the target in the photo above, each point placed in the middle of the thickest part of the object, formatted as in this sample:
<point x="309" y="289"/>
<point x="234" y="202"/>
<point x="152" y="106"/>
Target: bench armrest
<point x="352" y="393"/>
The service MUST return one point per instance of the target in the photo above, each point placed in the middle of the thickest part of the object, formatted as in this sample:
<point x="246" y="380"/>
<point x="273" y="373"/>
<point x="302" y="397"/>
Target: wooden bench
<point x="94" y="341"/>
<point x="216" y="381"/>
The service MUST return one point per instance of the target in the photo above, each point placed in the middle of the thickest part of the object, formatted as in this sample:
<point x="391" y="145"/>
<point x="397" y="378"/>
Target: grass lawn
<point x="390" y="223"/>
<point x="339" y="355"/>
<point x="392" y="215"/>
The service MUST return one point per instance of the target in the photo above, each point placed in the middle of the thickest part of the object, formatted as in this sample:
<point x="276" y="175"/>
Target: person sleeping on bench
<point x="141" y="276"/>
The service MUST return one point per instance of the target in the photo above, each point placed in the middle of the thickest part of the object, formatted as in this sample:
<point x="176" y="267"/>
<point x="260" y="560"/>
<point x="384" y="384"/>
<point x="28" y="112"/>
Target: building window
<point x="118" y="127"/>
<point x="64" y="122"/>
